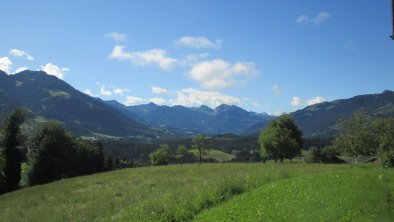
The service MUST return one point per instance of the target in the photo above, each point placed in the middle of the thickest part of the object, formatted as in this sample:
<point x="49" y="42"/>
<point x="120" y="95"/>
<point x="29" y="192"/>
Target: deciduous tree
<point x="201" y="143"/>
<point x="161" y="156"/>
<point x="356" y="137"/>
<point x="281" y="139"/>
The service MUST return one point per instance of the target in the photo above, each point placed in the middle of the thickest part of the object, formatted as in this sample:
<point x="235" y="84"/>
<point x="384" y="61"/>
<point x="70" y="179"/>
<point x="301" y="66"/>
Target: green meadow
<point x="211" y="192"/>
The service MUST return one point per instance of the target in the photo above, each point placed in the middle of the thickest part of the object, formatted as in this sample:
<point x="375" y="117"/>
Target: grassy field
<point x="165" y="193"/>
<point x="217" y="155"/>
<point x="365" y="194"/>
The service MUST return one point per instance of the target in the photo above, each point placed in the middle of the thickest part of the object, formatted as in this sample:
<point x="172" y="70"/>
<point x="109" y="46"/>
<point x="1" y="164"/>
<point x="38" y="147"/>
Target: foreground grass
<point x="357" y="194"/>
<point x="167" y="193"/>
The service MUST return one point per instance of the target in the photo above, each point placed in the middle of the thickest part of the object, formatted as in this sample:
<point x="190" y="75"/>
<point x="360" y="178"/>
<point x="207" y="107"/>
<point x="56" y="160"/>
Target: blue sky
<point x="266" y="55"/>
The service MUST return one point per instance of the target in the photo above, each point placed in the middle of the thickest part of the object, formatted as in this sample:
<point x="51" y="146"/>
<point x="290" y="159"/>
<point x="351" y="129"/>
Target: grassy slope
<point x="167" y="193"/>
<point x="365" y="194"/>
<point x="218" y="155"/>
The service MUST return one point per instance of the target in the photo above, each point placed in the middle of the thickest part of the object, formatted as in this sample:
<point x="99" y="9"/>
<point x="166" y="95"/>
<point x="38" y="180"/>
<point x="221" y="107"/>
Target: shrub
<point x="313" y="155"/>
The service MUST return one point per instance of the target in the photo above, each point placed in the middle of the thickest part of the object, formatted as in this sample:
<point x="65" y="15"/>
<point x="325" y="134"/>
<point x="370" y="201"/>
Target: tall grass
<point x="165" y="193"/>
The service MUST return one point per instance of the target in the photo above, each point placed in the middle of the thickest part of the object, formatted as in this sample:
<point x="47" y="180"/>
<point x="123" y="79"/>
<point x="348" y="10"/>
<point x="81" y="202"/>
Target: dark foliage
<point x="11" y="153"/>
<point x="248" y="156"/>
<point x="54" y="154"/>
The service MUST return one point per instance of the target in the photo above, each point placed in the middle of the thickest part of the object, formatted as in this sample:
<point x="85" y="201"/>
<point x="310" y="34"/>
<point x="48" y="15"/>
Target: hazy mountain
<point x="320" y="119"/>
<point x="222" y="119"/>
<point x="48" y="97"/>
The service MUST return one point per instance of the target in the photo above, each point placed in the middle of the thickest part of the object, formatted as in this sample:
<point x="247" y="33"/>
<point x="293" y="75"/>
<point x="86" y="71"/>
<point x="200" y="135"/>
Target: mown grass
<point x="356" y="194"/>
<point x="217" y="155"/>
<point x="165" y="193"/>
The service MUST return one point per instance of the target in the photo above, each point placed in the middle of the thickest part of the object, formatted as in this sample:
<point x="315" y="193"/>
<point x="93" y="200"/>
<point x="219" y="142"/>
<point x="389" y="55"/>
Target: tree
<point x="281" y="139"/>
<point x="313" y="155"/>
<point x="356" y="137"/>
<point x="385" y="129"/>
<point x="161" y="156"/>
<point x="90" y="156"/>
<point x="181" y="153"/>
<point x="11" y="154"/>
<point x="109" y="165"/>
<point x="201" y="143"/>
<point x="51" y="154"/>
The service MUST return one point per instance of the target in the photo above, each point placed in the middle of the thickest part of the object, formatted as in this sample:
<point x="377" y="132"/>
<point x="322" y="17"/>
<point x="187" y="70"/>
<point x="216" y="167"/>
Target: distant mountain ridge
<point x="194" y="120"/>
<point x="320" y="119"/>
<point x="48" y="97"/>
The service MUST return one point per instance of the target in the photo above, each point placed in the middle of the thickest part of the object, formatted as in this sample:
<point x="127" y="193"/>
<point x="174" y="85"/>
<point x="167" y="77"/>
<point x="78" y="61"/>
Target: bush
<point x="385" y="128"/>
<point x="313" y="155"/>
<point x="161" y="156"/>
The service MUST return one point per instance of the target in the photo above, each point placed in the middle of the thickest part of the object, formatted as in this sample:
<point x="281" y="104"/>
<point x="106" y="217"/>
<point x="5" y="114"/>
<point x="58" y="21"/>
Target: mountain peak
<point x="388" y="92"/>
<point x="225" y="108"/>
<point x="3" y="74"/>
<point x="152" y="104"/>
<point x="204" y="109"/>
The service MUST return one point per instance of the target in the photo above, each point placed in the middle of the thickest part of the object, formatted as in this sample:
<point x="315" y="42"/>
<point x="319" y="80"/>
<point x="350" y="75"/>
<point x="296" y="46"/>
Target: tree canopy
<point x="10" y="151"/>
<point x="161" y="156"/>
<point x="357" y="136"/>
<point x="201" y="143"/>
<point x="281" y="139"/>
<point x="385" y="129"/>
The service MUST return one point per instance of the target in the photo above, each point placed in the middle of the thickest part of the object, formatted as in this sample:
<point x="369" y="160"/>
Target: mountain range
<point x="320" y="119"/>
<point x="194" y="120"/>
<point x="47" y="97"/>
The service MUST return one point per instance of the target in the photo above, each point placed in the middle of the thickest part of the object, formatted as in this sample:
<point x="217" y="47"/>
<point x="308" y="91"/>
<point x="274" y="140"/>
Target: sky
<point x="269" y="56"/>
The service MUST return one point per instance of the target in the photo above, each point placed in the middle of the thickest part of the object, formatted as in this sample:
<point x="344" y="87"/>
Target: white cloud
<point x="158" y="90"/>
<point x="105" y="92"/>
<point x="320" y="18"/>
<point x="217" y="74"/>
<point x="88" y="92"/>
<point x="191" y="59"/>
<point x="195" y="97"/>
<point x="278" y="113"/>
<point x="302" y="19"/>
<point x="277" y="90"/>
<point x="158" y="101"/>
<point x="198" y="42"/>
<point x="116" y="36"/>
<point x="120" y="91"/>
<point x="153" y="56"/>
<point x="132" y="100"/>
<point x="5" y="64"/>
<point x="254" y="104"/>
<point x="297" y="101"/>
<point x="316" y="100"/>
<point x="20" y="69"/>
<point x="21" y="53"/>
<point x="54" y="70"/>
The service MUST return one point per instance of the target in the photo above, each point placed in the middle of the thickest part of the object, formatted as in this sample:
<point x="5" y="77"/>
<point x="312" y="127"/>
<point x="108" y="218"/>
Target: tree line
<point x="49" y="153"/>
<point x="360" y="138"/>
<point x="164" y="156"/>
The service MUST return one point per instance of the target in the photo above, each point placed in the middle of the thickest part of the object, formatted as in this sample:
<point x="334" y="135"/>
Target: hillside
<point x="348" y="195"/>
<point x="48" y="97"/>
<point x="194" y="120"/>
<point x="211" y="192"/>
<point x="320" y="119"/>
<point x="166" y="193"/>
